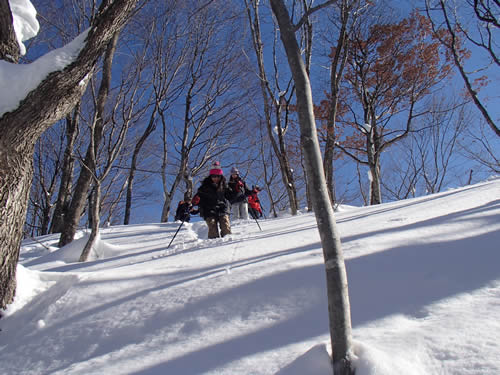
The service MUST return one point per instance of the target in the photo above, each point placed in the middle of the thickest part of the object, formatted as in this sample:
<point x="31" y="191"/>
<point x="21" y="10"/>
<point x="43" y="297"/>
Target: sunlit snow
<point x="424" y="286"/>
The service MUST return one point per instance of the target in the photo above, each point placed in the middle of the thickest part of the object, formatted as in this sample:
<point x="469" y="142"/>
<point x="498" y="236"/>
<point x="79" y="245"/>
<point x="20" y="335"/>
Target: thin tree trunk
<point x="279" y="148"/>
<point x="336" y="73"/>
<point x="84" y="180"/>
<point x="64" y="195"/>
<point x="96" y="221"/>
<point x="336" y="277"/>
<point x="372" y="148"/>
<point x="133" y="165"/>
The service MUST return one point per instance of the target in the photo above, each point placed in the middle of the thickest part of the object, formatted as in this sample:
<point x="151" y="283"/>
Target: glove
<point x="196" y="200"/>
<point x="239" y="186"/>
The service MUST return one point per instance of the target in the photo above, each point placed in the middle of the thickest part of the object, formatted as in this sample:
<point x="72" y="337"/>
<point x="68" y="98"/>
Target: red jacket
<point x="253" y="201"/>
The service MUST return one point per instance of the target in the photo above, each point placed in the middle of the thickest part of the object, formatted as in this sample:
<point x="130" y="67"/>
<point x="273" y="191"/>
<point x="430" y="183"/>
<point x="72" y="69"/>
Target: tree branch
<point x="311" y="11"/>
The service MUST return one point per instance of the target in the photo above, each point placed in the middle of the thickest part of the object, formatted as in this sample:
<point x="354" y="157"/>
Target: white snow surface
<point x="424" y="283"/>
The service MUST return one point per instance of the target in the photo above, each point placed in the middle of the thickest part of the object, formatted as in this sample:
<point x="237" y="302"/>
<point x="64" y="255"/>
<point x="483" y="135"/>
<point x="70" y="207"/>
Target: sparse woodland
<point x="404" y="103"/>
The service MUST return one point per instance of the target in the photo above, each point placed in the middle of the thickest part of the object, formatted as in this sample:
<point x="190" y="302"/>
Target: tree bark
<point x="336" y="277"/>
<point x="64" y="195"/>
<point x="279" y="147"/>
<point x="96" y="221"/>
<point x="54" y="97"/>
<point x="85" y="178"/>
<point x="133" y="165"/>
<point x="336" y="72"/>
<point x="9" y="48"/>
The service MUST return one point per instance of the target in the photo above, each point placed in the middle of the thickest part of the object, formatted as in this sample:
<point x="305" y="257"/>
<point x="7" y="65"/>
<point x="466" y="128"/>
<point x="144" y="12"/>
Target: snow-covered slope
<point x="424" y="282"/>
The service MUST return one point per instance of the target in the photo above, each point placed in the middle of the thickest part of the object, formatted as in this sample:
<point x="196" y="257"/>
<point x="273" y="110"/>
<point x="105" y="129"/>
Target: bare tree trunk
<point x="374" y="165"/>
<point x="96" y="222"/>
<point x="279" y="147"/>
<point x="64" y="195"/>
<point x="336" y="72"/>
<point x="336" y="277"/>
<point x="9" y="48"/>
<point x="133" y="164"/>
<point x="54" y="97"/>
<point x="84" y="180"/>
<point x="375" y="191"/>
<point x="15" y="175"/>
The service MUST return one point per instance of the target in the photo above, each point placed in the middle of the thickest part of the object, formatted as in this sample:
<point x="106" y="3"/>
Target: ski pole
<point x="258" y="223"/>
<point x="177" y="231"/>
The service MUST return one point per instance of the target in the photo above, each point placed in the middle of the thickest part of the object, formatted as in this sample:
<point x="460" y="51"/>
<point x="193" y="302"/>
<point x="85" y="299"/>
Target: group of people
<point x="216" y="199"/>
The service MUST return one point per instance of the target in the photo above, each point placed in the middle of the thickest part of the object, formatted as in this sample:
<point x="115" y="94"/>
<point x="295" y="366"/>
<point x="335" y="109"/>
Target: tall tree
<point x="66" y="179"/>
<point x="276" y="98"/>
<point x="426" y="160"/>
<point x="100" y="172"/>
<point x="348" y="13"/>
<point x="20" y="128"/>
<point x="97" y="125"/>
<point x="338" y="298"/>
<point x="391" y="69"/>
<point x="212" y="98"/>
<point x="47" y="164"/>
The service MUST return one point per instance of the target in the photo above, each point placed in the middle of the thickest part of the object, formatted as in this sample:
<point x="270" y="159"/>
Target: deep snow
<point x="424" y="282"/>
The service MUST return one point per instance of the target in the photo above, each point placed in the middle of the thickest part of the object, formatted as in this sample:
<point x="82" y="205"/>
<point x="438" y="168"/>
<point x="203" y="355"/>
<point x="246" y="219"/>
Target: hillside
<point x="424" y="283"/>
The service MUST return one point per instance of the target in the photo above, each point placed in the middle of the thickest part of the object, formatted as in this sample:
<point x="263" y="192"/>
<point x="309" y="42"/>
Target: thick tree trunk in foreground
<point x="336" y="278"/>
<point x="54" y="97"/>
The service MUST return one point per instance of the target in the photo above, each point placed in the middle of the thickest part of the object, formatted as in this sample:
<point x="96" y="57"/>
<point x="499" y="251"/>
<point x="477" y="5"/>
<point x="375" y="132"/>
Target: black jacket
<point x="213" y="198"/>
<point x="184" y="211"/>
<point x="238" y="190"/>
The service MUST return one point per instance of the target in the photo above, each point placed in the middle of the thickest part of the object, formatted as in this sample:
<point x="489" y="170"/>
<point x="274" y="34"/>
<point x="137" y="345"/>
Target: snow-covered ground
<point x="424" y="282"/>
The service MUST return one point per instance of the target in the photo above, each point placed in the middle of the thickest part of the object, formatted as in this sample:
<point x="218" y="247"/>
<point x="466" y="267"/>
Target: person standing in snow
<point x="254" y="207"/>
<point x="238" y="192"/>
<point x="185" y="210"/>
<point x="212" y="201"/>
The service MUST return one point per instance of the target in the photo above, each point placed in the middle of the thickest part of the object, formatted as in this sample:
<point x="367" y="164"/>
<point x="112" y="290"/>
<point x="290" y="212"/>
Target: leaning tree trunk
<point x="20" y="129"/>
<point x="336" y="278"/>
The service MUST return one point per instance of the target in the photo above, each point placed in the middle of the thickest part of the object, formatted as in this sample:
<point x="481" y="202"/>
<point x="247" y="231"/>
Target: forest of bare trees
<point x="404" y="101"/>
<point x="179" y="103"/>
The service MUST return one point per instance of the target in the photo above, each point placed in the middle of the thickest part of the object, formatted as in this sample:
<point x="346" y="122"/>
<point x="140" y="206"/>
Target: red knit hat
<point x="216" y="169"/>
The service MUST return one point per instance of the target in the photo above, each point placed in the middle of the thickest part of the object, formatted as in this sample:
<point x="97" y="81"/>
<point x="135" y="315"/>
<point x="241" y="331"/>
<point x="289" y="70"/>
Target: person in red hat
<point x="211" y="199"/>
